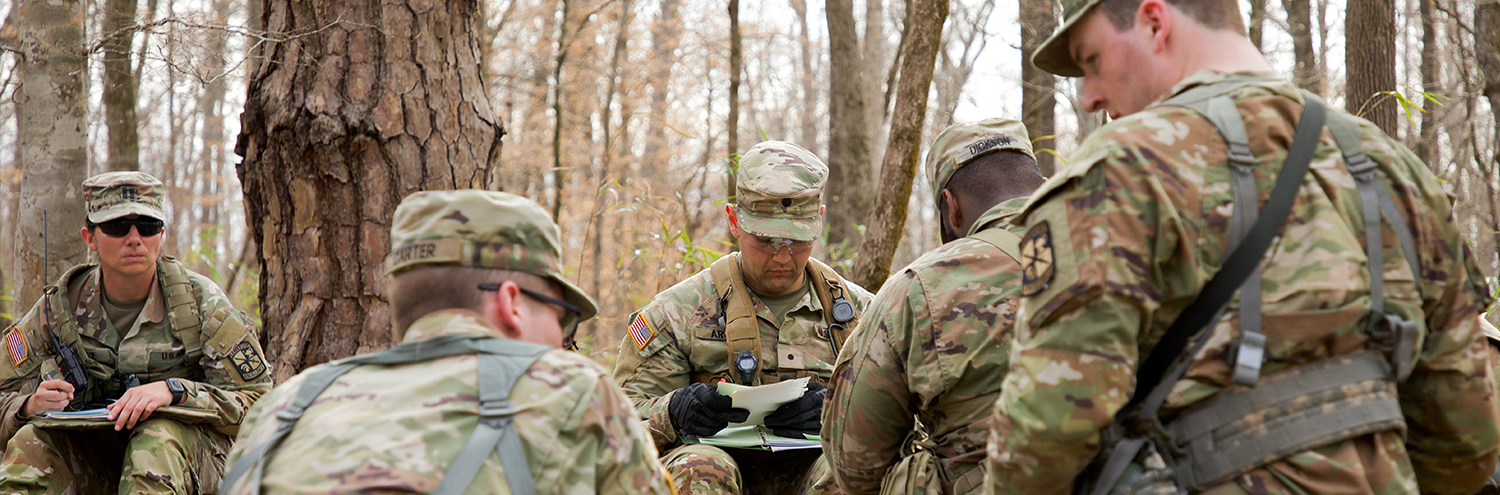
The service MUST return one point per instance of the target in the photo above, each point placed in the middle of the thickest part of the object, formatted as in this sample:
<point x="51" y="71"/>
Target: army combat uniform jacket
<point x="1129" y="232"/>
<point x="219" y="361"/>
<point x="683" y="342"/>
<point x="935" y="344"/>
<point x="397" y="428"/>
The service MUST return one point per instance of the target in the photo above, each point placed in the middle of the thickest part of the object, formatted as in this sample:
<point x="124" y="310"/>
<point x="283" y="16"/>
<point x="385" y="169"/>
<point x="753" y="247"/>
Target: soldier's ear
<point x="734" y="222"/>
<point x="954" y="216"/>
<point x="88" y="238"/>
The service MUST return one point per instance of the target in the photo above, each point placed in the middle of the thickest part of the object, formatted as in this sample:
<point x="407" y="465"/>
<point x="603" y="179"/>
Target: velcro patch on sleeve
<point x="641" y="331"/>
<point x="229" y="333"/>
<point x="16" y="341"/>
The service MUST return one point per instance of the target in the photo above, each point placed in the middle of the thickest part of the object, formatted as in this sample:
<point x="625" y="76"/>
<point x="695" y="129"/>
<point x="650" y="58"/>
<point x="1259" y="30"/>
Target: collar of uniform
<point x="450" y="322"/>
<point x="809" y="302"/>
<point x="998" y="214"/>
<point x="1210" y="76"/>
<point x="155" y="310"/>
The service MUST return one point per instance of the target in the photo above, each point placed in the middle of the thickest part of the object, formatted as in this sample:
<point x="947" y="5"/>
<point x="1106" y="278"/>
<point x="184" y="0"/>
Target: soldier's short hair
<point x="424" y="290"/>
<point x="997" y="176"/>
<point x="1215" y="14"/>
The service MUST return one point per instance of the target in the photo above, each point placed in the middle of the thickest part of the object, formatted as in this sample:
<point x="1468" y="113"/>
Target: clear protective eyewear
<point x="773" y="245"/>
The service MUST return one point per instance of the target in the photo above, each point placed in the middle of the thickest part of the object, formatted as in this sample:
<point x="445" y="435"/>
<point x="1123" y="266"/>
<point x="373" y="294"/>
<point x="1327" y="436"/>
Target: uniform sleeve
<point x="649" y="374"/>
<point x="610" y="433"/>
<point x="263" y="414"/>
<point x="867" y="414"/>
<point x="1075" y="355"/>
<point x="234" y="366"/>
<point x="19" y="380"/>
<point x="1452" y="432"/>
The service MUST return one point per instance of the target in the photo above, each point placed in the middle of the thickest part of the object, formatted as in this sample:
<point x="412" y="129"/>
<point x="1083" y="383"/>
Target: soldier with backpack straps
<point x="1243" y="291"/>
<point x="478" y="397"/>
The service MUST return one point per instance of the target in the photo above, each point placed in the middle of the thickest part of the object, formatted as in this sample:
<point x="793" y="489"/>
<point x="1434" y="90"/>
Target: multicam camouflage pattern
<point x="225" y="376"/>
<point x="398" y="428"/>
<point x="1138" y="225"/>
<point x="961" y="143"/>
<point x="779" y="190"/>
<point x="159" y="456"/>
<point x="112" y="195"/>
<point x="689" y="344"/>
<point x="937" y="339"/>
<point x="705" y="469"/>
<point x="1052" y="56"/>
<point x="483" y="229"/>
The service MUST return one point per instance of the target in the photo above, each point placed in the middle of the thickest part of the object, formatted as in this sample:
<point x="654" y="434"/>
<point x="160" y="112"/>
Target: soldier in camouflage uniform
<point x="143" y="329"/>
<point x="937" y="339"/>
<point x="466" y="265"/>
<point x="1126" y="235"/>
<point x="680" y="343"/>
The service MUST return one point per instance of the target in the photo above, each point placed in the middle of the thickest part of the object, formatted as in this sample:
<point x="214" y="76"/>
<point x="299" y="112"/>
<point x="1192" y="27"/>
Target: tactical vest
<point x="182" y="314"/>
<point x="1304" y="407"/>
<point x="501" y="363"/>
<point x="742" y="328"/>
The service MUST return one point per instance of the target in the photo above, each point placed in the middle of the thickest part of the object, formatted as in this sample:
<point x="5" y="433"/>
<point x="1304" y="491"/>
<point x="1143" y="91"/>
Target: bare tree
<point x="51" y="135"/>
<point x="1370" y="58"/>
<point x="807" y="134"/>
<point x="732" y="126"/>
<point x="1308" y="74"/>
<point x="120" y="85"/>
<point x="1038" y="89"/>
<point x="848" y="196"/>
<point x="1426" y="143"/>
<point x="666" y="36"/>
<point x="356" y="106"/>
<point x="1257" y="22"/>
<point x="900" y="164"/>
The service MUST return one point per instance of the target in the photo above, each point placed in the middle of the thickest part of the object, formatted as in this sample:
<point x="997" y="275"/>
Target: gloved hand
<point x="801" y="416"/>
<point x="698" y="409"/>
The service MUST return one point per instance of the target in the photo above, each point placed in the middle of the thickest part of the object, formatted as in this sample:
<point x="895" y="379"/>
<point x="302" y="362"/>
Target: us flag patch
<point x="641" y="331"/>
<point x="16" y="341"/>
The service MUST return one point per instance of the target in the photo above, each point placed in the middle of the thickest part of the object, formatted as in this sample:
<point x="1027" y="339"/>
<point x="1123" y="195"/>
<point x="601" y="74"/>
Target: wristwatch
<point x="178" y="390"/>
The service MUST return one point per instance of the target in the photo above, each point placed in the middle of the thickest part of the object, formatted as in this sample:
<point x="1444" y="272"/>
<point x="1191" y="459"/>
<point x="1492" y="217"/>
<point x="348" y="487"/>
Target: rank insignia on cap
<point x="641" y="331"/>
<point x="16" y="341"/>
<point x="1036" y="259"/>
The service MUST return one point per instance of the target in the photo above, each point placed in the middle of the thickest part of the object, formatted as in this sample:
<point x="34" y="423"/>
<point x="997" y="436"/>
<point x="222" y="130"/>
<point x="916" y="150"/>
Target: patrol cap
<point x="779" y="190"/>
<point x="961" y="143"/>
<point x="1052" y="56"/>
<point x="484" y="229"/>
<point x="112" y="195"/>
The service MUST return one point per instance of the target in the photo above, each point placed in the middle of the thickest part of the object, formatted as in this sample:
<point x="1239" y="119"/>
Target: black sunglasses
<point x="571" y="313"/>
<point x="120" y="227"/>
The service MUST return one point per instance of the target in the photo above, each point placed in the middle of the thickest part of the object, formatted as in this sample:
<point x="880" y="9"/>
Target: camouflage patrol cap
<point x="1053" y="55"/>
<point x="779" y="190"/>
<point x="112" y="195"/>
<point x="484" y="229"/>
<point x="961" y="143"/>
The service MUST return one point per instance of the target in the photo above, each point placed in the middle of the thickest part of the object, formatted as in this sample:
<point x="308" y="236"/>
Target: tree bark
<point x="807" y="135"/>
<point x="900" y="164"/>
<point x="120" y="85"/>
<point x="361" y="105"/>
<point x="1426" y="146"/>
<point x="1487" y="49"/>
<point x="1257" y="22"/>
<point x="732" y="126"/>
<point x="848" y="146"/>
<point x="1307" y="74"/>
<point x="874" y="57"/>
<point x="1370" y="58"/>
<point x="51" y="124"/>
<point x="1038" y="89"/>
<point x="666" y="35"/>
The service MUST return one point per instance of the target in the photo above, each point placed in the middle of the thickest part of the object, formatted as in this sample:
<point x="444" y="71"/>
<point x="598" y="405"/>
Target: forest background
<point x="286" y="132"/>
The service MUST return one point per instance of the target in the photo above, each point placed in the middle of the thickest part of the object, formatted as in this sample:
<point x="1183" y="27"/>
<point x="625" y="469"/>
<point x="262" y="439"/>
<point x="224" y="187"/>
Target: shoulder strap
<point x="1008" y="242"/>
<point x="838" y="311"/>
<point x="253" y="461"/>
<point x="741" y="328"/>
<point x="182" y="307"/>
<point x="496" y="431"/>
<point x="1235" y="269"/>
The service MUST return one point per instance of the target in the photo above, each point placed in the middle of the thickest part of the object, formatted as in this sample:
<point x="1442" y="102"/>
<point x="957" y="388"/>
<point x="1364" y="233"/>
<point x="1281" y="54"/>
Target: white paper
<point x="762" y="400"/>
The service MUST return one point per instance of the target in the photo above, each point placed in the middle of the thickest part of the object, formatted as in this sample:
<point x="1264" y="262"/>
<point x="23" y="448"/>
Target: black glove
<point x="699" y="410"/>
<point x="801" y="416"/>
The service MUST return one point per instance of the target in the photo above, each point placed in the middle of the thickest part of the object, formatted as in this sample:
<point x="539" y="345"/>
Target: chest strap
<point x="742" y="327"/>
<point x="501" y="363"/>
<point x="182" y="307"/>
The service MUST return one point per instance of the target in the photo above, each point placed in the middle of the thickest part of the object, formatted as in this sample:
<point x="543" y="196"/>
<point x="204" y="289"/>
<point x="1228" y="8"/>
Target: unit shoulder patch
<point x="1036" y="259"/>
<point x="247" y="361"/>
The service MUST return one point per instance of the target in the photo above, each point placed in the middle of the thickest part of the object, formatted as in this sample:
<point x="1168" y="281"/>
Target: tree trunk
<point x="370" y="104"/>
<point x="807" y="135"/>
<point x="848" y="146"/>
<point x="732" y="127"/>
<point x="1257" y="22"/>
<point x="1307" y="74"/>
<point x="120" y="85"/>
<point x="606" y="170"/>
<point x="874" y="57"/>
<point x="1487" y="49"/>
<point x="51" y="125"/>
<point x="1370" y="61"/>
<point x="666" y="35"/>
<point x="1426" y="146"/>
<point x="900" y="164"/>
<point x="559" y="174"/>
<point x="1038" y="101"/>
